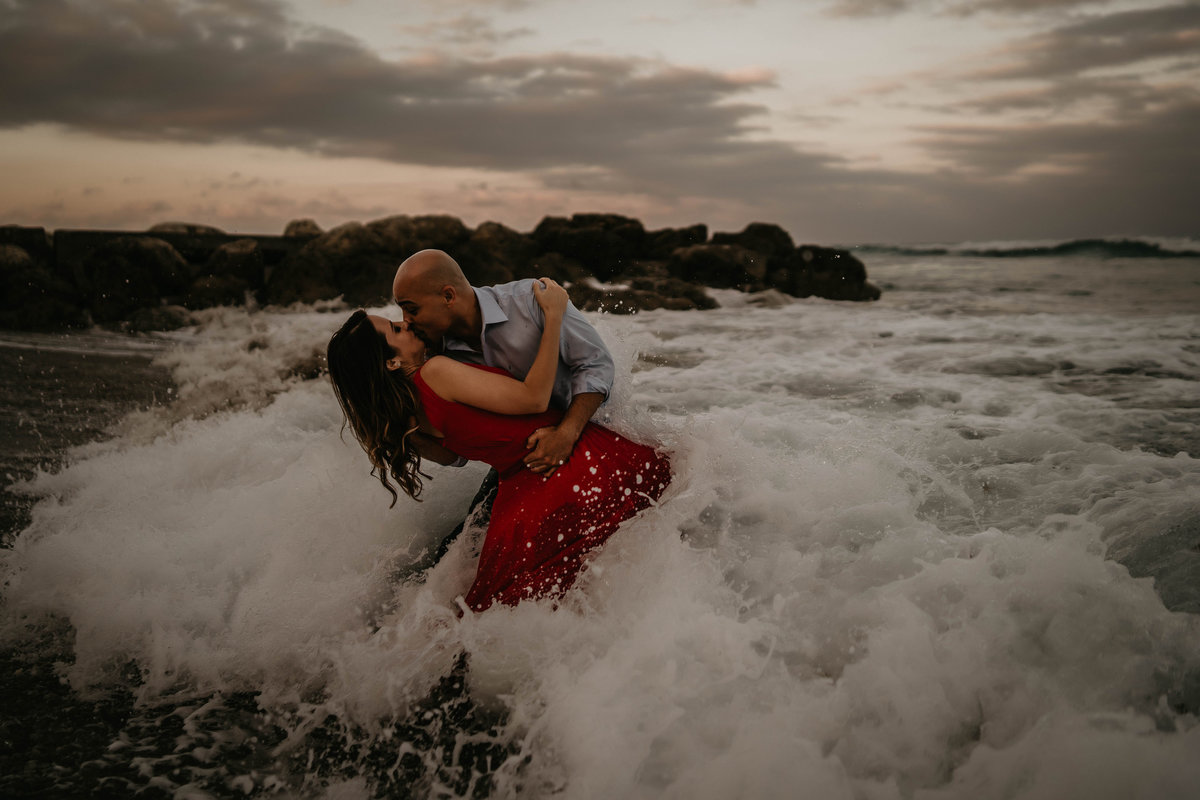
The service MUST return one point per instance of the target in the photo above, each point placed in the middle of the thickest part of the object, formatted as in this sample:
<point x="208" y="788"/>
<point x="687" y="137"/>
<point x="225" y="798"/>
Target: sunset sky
<point x="845" y="121"/>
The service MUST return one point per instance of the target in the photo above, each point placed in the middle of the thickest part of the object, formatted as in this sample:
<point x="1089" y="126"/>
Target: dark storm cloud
<point x="1121" y="98"/>
<point x="1154" y="144"/>
<point x="1132" y="175"/>
<point x="1114" y="40"/>
<point x="877" y="8"/>
<point x="166" y="70"/>
<point x="174" y="71"/>
<point x="1118" y="112"/>
<point x="245" y="72"/>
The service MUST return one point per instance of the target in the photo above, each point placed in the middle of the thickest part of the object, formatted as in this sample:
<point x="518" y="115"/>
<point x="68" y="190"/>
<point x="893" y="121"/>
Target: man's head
<point x="434" y="295"/>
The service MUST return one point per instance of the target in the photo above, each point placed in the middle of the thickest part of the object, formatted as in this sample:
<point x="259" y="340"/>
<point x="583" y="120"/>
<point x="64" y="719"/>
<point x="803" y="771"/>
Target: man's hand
<point x="549" y="449"/>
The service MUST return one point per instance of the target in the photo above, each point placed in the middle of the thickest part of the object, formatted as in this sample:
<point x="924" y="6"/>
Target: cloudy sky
<point x="846" y="121"/>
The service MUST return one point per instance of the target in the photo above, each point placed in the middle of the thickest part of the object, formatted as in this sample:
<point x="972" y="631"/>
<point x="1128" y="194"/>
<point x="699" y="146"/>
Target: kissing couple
<point x="509" y="375"/>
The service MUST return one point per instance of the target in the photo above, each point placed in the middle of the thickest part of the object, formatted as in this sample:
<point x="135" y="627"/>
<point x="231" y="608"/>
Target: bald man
<point x="501" y="326"/>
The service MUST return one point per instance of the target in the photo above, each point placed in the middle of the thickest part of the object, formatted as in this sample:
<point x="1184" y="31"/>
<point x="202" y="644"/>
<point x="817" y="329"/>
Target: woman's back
<point x="542" y="529"/>
<point x="477" y="435"/>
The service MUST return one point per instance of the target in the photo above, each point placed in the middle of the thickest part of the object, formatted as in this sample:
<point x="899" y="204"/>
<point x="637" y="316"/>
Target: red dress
<point x="542" y="529"/>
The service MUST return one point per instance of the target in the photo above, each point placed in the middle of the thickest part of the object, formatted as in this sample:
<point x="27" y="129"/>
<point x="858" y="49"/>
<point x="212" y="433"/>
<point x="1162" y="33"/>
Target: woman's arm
<point x="500" y="393"/>
<point x="432" y="449"/>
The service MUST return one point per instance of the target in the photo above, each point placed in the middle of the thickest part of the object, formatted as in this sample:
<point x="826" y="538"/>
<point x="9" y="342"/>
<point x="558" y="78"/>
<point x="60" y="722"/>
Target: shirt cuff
<point x="586" y="384"/>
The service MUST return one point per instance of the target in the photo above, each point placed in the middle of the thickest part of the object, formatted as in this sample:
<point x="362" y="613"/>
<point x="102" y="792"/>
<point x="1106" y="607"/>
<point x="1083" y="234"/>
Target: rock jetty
<point x="152" y="280"/>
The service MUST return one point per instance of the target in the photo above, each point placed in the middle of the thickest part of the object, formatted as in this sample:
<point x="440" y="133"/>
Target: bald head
<point x="436" y="297"/>
<point x="426" y="272"/>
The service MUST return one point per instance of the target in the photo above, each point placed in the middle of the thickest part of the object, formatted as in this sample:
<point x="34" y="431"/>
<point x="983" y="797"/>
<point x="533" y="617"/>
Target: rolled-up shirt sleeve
<point x="589" y="364"/>
<point x="584" y="352"/>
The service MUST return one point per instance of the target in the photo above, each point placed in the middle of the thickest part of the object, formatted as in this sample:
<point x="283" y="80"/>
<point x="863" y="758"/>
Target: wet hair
<point x="380" y="405"/>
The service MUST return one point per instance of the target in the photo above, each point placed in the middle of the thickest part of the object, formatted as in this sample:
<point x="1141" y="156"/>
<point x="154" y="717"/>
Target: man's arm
<point x="551" y="447"/>
<point x="592" y="371"/>
<point x="586" y="356"/>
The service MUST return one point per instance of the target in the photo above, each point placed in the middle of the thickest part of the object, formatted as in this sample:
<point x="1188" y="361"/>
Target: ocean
<point x="943" y="545"/>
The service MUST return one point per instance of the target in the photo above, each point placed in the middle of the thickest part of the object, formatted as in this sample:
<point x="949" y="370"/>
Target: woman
<point x="541" y="529"/>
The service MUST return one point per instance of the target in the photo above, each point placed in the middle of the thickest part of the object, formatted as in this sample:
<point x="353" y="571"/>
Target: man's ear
<point x="449" y="294"/>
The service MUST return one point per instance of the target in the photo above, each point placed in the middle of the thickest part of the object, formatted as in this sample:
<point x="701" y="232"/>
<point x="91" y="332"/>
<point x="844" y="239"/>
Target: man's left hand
<point x="549" y="449"/>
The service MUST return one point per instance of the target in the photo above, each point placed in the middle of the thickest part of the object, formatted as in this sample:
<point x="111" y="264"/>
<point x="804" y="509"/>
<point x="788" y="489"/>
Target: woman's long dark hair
<point x="380" y="405"/>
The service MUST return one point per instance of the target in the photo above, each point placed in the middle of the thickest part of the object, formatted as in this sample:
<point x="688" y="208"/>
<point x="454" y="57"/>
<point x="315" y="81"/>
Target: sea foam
<point x="889" y="564"/>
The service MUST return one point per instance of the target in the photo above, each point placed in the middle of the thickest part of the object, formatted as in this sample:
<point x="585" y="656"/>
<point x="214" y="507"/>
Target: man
<point x="501" y="326"/>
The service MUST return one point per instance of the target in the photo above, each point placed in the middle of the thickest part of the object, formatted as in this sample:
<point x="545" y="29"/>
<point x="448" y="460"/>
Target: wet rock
<point x="159" y="318"/>
<point x="14" y="258"/>
<point x="238" y="259"/>
<point x="186" y="228"/>
<point x="440" y="231"/>
<point x="307" y="275"/>
<point x="761" y="237"/>
<point x="826" y="272"/>
<point x="661" y="244"/>
<point x="605" y="244"/>
<point x="216" y="290"/>
<point x="721" y="266"/>
<point x="302" y="229"/>
<point x="31" y="296"/>
<point x="129" y="273"/>
<point x="677" y="294"/>
<point x="495" y="253"/>
<point x="359" y="261"/>
<point x="234" y="269"/>
<point x="36" y="242"/>
<point x="557" y="266"/>
<point x="769" y="298"/>
<point x="643" y="294"/>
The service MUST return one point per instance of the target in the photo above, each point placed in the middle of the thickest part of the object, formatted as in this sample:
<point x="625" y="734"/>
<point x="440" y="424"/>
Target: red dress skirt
<point x="542" y="529"/>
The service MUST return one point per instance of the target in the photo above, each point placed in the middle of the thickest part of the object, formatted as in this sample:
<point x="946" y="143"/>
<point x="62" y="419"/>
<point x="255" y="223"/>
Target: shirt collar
<point x="489" y="310"/>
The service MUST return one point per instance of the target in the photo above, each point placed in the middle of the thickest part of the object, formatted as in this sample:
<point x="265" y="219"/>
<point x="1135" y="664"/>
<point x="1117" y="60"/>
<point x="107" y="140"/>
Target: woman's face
<point x="406" y="347"/>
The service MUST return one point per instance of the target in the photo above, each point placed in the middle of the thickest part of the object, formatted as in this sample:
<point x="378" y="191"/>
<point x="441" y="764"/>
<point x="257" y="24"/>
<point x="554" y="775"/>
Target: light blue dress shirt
<point x="512" y="331"/>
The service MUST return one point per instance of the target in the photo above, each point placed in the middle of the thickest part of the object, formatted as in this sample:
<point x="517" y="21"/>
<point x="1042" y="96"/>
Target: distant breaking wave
<point x="1102" y="248"/>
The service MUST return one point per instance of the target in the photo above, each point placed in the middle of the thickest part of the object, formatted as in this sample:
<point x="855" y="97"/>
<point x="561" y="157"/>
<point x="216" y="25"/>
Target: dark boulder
<point x="557" y="266"/>
<point x="678" y="294"/>
<point x="302" y="229"/>
<point x="661" y="244"/>
<point x="31" y="297"/>
<point x="241" y="259"/>
<point x="826" y="272"/>
<point x="216" y="290"/>
<point x="440" y="232"/>
<point x="643" y="294"/>
<point x="309" y="274"/>
<point x="761" y="237"/>
<point x="495" y="253"/>
<point x="605" y="244"/>
<point x="359" y="261"/>
<point x="158" y="318"/>
<point x="186" y="228"/>
<point x="34" y="241"/>
<point x="129" y="273"/>
<point x="721" y="266"/>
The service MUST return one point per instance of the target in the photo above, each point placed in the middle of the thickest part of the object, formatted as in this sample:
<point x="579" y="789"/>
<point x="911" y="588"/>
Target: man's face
<point x="427" y="313"/>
